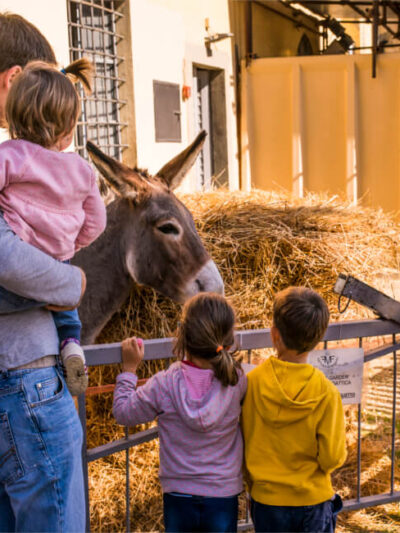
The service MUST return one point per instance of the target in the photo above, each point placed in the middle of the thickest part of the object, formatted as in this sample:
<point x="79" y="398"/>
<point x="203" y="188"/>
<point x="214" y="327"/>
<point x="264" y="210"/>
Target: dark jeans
<point x="320" y="518"/>
<point x="187" y="513"/>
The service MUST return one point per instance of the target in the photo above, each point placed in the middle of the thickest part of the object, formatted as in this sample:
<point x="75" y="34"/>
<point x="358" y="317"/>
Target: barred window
<point x="92" y="34"/>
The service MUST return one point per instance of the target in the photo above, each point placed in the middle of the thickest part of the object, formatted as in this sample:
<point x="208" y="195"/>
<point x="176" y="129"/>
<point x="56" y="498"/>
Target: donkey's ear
<point x="123" y="180"/>
<point x="173" y="172"/>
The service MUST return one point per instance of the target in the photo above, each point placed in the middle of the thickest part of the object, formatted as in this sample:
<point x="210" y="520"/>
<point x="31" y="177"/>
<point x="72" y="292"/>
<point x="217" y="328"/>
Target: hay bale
<point x="261" y="242"/>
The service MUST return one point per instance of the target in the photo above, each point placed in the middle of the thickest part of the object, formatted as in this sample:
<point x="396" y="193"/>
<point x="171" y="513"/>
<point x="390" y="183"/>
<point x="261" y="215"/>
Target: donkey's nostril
<point x="200" y="286"/>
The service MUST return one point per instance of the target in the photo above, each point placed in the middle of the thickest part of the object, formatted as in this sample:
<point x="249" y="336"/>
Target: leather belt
<point x="43" y="362"/>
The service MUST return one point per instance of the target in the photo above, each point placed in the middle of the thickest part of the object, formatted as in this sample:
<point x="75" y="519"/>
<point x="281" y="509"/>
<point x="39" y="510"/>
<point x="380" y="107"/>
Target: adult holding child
<point x="41" y="481"/>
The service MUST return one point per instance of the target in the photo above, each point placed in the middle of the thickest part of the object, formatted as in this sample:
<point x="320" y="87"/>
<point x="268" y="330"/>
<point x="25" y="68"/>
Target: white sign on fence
<point x="343" y="366"/>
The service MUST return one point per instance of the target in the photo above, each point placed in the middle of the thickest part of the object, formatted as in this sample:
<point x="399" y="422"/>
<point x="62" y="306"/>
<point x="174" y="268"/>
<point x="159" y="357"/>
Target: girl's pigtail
<point x="226" y="368"/>
<point x="81" y="70"/>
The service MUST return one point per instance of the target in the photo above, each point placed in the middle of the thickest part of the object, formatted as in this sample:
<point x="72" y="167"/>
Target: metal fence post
<point x="82" y="418"/>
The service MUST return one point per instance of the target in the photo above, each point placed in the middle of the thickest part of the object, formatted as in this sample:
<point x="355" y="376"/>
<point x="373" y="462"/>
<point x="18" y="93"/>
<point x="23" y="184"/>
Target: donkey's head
<point x="160" y="244"/>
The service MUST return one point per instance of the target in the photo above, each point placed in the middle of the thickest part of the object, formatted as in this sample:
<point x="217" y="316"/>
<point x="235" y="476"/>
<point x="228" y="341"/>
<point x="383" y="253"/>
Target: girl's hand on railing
<point x="132" y="354"/>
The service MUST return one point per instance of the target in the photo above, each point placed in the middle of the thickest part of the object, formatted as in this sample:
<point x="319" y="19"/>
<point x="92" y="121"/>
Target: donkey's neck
<point x="108" y="282"/>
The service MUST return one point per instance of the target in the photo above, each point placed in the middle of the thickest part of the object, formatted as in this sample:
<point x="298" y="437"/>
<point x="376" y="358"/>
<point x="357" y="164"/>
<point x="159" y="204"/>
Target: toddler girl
<point x="197" y="402"/>
<point x="49" y="198"/>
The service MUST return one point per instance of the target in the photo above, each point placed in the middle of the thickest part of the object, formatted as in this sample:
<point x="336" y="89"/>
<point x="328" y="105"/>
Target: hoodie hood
<point x="288" y="392"/>
<point x="205" y="413"/>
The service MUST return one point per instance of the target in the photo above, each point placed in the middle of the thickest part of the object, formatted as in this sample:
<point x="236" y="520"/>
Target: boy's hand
<point x="132" y="354"/>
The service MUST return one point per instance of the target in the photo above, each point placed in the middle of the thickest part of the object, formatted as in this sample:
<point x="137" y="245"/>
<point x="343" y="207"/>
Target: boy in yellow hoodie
<point x="293" y="424"/>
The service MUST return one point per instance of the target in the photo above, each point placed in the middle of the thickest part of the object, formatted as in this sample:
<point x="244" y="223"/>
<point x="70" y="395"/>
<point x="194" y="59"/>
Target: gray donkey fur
<point x="150" y="239"/>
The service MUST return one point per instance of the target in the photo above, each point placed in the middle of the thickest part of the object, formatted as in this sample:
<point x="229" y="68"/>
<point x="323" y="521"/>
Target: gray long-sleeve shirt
<point x="24" y="270"/>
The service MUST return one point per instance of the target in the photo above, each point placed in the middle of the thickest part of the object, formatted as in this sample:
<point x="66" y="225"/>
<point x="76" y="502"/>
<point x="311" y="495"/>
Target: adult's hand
<point x="65" y="308"/>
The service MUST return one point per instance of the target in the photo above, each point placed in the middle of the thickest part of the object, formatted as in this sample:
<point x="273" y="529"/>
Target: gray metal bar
<point x="249" y="32"/>
<point x="103" y="30"/>
<point x="127" y="495"/>
<point x="393" y="443"/>
<point x="374" y="29"/>
<point x="104" y="354"/>
<point x="380" y="351"/>
<point x="82" y="418"/>
<point x="245" y="525"/>
<point x="122" y="444"/>
<point x="359" y="442"/>
<point x="368" y="501"/>
<point x="92" y="4"/>
<point x="297" y="13"/>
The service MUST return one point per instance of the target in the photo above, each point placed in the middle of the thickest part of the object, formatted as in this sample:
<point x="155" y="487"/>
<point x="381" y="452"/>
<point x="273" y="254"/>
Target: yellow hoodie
<point x="294" y="433"/>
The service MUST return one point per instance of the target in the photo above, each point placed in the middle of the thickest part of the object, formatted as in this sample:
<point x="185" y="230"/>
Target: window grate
<point x="92" y="34"/>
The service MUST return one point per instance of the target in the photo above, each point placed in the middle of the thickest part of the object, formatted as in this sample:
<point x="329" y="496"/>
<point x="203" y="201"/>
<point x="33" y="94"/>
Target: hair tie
<point x="219" y="348"/>
<point x="63" y="71"/>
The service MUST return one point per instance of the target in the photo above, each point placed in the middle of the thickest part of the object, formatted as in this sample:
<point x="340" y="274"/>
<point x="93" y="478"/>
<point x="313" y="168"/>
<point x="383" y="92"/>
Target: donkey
<point x="150" y="239"/>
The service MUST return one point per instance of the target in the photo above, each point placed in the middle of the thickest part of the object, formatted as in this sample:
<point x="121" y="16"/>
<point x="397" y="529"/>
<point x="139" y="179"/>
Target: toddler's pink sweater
<point x="50" y="199"/>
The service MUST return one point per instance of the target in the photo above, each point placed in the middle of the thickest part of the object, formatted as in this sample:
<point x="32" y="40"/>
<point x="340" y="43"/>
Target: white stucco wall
<point x="167" y="38"/>
<point x="50" y="16"/>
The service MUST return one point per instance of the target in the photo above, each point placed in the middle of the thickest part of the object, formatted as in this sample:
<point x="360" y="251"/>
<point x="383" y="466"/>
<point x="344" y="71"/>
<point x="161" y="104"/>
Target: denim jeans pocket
<point x="48" y="391"/>
<point x="50" y="402"/>
<point x="10" y="464"/>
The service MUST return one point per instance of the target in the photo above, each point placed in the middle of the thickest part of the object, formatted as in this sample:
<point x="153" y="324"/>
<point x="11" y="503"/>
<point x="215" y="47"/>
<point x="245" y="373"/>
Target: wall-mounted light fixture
<point x="214" y="38"/>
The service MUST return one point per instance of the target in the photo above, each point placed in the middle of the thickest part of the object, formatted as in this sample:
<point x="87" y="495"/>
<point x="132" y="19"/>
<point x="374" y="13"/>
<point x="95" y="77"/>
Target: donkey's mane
<point x="143" y="172"/>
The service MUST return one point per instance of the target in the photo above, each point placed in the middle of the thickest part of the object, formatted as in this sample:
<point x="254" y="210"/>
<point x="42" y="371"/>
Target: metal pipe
<point x="287" y="17"/>
<point x="82" y="418"/>
<point x="375" y="14"/>
<point x="249" y="32"/>
<point x="127" y="494"/>
<point x="393" y="451"/>
<point x="359" y="442"/>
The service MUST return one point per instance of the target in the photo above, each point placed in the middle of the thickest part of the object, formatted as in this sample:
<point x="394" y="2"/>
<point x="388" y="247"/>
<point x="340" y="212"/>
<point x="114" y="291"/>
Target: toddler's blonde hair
<point x="43" y="105"/>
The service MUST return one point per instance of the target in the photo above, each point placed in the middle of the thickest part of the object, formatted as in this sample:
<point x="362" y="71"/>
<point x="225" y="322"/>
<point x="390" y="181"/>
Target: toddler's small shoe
<point x="74" y="362"/>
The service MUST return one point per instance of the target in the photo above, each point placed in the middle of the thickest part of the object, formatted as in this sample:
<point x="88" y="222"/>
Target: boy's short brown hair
<point x="21" y="42"/>
<point x="301" y="317"/>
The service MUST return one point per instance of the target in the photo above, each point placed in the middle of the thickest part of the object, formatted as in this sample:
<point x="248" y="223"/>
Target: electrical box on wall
<point x="167" y="111"/>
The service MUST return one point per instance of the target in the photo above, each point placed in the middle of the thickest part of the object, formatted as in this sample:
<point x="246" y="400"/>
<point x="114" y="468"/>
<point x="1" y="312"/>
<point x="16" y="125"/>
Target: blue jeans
<point x="41" y="479"/>
<point x="187" y="513"/>
<point x="67" y="322"/>
<point x="319" y="518"/>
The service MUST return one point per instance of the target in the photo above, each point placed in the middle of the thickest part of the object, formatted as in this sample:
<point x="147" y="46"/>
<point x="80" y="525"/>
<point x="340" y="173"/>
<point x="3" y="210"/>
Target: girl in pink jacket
<point x="50" y="198"/>
<point x="197" y="402"/>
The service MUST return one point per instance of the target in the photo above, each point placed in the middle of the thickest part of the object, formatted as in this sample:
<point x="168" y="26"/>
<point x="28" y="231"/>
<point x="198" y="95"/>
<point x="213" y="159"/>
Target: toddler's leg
<point x="73" y="358"/>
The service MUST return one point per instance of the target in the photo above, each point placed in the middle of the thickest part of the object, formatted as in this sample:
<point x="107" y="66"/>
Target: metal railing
<point x="248" y="341"/>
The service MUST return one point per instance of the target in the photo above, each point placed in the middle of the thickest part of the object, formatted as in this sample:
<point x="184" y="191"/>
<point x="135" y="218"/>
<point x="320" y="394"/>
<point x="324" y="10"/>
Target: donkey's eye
<point x="168" y="228"/>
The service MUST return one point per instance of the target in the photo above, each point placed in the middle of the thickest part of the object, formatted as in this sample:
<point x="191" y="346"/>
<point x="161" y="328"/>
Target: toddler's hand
<point x="132" y="354"/>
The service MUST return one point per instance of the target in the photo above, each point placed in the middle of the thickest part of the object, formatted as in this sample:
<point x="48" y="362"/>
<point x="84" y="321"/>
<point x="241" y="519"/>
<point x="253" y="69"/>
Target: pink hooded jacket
<point x="50" y="199"/>
<point x="201" y="445"/>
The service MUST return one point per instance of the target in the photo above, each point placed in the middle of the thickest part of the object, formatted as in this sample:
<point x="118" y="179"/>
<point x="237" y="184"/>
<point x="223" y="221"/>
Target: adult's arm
<point x="27" y="271"/>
